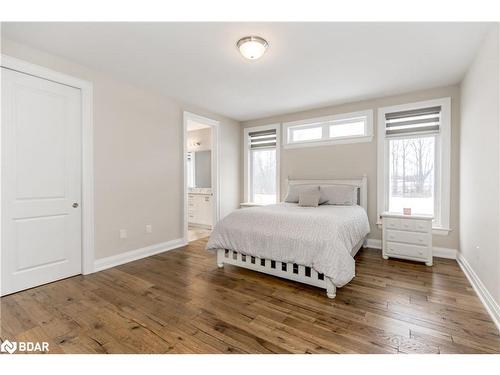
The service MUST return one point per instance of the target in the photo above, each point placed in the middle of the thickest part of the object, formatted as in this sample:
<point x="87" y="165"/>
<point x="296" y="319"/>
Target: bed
<point x="311" y="245"/>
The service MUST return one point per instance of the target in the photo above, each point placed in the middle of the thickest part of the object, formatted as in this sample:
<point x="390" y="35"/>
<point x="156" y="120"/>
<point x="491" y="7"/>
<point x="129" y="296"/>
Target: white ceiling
<point x="307" y="64"/>
<point x="195" y="125"/>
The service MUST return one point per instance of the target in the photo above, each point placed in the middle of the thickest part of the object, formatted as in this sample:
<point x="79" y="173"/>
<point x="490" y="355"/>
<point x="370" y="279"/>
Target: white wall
<point x="356" y="159"/>
<point x="479" y="165"/>
<point x="138" y="157"/>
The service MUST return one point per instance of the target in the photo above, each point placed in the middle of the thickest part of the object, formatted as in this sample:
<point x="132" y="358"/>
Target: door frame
<point x="87" y="204"/>
<point x="214" y="126"/>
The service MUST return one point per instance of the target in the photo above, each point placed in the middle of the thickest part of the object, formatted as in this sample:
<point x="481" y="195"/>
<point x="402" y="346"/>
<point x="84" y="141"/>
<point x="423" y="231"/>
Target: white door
<point x="41" y="181"/>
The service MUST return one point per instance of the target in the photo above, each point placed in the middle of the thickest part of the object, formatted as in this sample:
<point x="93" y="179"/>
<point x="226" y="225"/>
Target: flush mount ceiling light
<point x="252" y="47"/>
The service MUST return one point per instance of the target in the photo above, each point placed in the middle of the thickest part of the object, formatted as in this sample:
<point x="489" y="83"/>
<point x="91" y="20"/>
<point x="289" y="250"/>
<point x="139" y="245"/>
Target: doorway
<point x="201" y="171"/>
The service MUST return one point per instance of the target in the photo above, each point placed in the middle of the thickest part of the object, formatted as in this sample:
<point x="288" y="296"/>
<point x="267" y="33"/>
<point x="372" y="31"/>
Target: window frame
<point x="442" y="161"/>
<point x="191" y="175"/>
<point x="246" y="157"/>
<point x="324" y="122"/>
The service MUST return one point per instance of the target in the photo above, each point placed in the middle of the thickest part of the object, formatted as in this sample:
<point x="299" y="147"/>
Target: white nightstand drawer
<point x="423" y="225"/>
<point x="408" y="237"/>
<point x="407" y="224"/>
<point x="407" y="251"/>
<point x="399" y="224"/>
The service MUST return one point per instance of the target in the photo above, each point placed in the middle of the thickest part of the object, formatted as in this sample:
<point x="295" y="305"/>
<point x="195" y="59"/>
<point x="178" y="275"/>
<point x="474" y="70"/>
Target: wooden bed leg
<point x="220" y="258"/>
<point x="331" y="290"/>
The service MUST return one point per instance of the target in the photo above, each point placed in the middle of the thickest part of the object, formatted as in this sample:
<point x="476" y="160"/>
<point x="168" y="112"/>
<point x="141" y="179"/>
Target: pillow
<point x="309" y="198"/>
<point x="292" y="195"/>
<point x="345" y="195"/>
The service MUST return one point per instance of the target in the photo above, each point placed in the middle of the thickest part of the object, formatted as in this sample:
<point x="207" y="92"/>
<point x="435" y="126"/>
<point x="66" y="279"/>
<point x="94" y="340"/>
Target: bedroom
<point x="244" y="187"/>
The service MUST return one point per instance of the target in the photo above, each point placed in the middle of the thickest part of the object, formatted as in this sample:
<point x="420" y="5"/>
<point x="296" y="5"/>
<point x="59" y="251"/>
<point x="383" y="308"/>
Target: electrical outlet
<point x="149" y="228"/>
<point x="123" y="233"/>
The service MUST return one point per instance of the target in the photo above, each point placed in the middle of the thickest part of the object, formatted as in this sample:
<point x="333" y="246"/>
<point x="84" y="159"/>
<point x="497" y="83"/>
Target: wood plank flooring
<point x="180" y="302"/>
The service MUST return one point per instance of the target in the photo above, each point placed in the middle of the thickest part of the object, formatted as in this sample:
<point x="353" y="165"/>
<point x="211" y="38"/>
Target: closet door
<point x="41" y="181"/>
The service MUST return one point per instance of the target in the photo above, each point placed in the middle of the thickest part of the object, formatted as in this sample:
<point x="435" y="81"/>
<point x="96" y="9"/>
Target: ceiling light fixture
<point x="252" y="47"/>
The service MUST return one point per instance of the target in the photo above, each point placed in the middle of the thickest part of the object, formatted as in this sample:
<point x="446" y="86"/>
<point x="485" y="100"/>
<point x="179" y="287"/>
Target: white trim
<point x="444" y="154"/>
<point x="337" y="141"/>
<point x="87" y="204"/>
<point x="438" y="252"/>
<point x="215" y="127"/>
<point x="484" y="295"/>
<point x="440" y="231"/>
<point x="246" y="151"/>
<point x="325" y="140"/>
<point x="129" y="256"/>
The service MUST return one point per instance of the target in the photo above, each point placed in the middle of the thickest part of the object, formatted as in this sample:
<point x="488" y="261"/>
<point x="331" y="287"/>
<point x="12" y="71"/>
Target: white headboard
<point x="360" y="183"/>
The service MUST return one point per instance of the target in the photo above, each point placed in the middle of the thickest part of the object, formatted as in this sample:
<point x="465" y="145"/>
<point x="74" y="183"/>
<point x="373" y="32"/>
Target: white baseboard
<point x="444" y="252"/>
<point x="484" y="295"/>
<point x="439" y="252"/>
<point x="129" y="256"/>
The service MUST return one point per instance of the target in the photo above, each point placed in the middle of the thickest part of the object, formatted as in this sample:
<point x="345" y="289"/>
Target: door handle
<point x="75" y="205"/>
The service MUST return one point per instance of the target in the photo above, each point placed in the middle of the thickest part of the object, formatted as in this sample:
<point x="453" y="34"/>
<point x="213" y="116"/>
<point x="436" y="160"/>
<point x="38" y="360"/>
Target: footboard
<point x="290" y="271"/>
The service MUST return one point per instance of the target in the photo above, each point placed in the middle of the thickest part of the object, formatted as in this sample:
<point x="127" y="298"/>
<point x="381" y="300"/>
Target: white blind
<point x="422" y="120"/>
<point x="262" y="139"/>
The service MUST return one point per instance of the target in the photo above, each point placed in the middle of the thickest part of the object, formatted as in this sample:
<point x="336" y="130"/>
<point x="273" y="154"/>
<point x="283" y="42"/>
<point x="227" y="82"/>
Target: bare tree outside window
<point x="411" y="174"/>
<point x="264" y="176"/>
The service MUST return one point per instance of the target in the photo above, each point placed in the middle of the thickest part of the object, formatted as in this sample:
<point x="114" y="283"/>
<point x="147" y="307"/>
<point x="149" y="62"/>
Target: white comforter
<point x="318" y="237"/>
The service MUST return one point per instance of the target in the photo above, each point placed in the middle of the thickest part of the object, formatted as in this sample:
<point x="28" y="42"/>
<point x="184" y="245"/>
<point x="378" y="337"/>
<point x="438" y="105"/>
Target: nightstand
<point x="407" y="237"/>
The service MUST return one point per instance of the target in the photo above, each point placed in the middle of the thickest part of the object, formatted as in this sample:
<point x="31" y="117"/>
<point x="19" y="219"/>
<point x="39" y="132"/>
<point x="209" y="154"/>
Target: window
<point x="344" y="128"/>
<point x="414" y="160"/>
<point x="261" y="164"/>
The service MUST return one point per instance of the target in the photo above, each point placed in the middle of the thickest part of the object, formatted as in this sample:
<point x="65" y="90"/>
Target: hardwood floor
<point x="180" y="302"/>
<point x="196" y="233"/>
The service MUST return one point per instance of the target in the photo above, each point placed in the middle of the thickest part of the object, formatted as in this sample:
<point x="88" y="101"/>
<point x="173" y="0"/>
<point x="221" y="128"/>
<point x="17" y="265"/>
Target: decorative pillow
<point x="345" y="195"/>
<point x="309" y="199"/>
<point x="292" y="195"/>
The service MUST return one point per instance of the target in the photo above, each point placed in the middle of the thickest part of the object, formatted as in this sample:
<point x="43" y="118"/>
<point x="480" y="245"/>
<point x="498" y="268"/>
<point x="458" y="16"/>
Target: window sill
<point x="440" y="231"/>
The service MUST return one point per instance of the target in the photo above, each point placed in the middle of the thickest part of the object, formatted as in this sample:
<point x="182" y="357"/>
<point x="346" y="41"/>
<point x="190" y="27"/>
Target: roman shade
<point x="262" y="139"/>
<point x="415" y="121"/>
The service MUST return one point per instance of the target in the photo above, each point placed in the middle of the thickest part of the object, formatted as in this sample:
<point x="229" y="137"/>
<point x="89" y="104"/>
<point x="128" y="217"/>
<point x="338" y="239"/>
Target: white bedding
<point x="318" y="237"/>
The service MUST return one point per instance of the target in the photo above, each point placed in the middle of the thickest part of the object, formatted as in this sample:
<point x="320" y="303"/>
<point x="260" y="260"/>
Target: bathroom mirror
<point x="199" y="165"/>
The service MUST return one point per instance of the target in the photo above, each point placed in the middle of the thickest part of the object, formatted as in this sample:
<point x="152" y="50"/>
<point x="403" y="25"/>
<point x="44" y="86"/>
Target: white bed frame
<point x="292" y="271"/>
